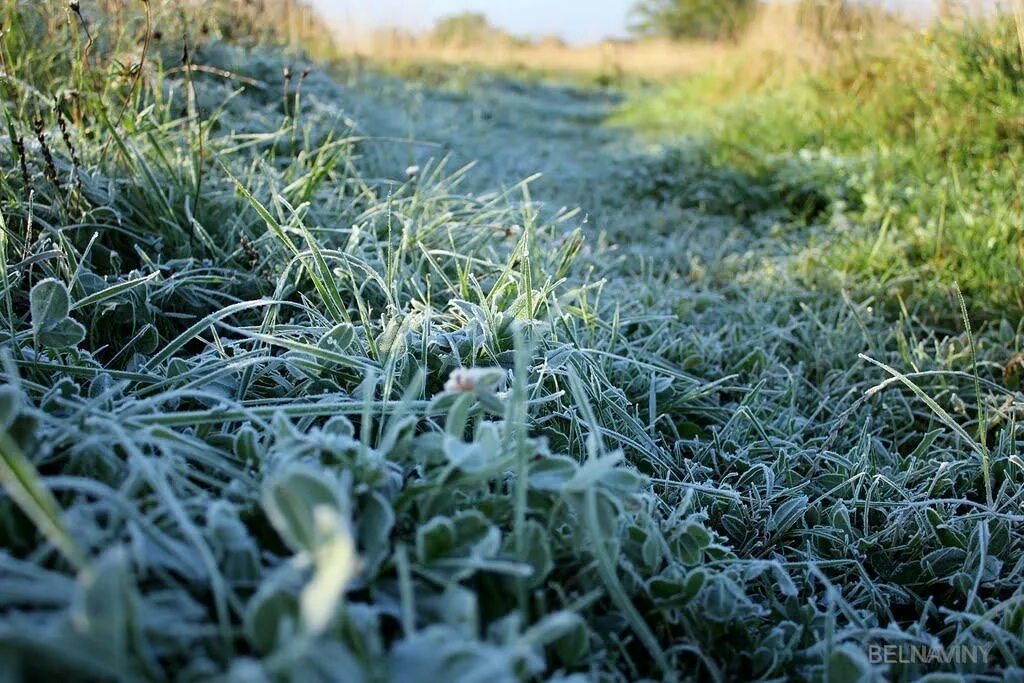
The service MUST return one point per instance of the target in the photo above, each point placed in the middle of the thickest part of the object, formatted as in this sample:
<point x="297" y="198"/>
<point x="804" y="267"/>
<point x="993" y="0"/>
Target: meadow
<point x="321" y="370"/>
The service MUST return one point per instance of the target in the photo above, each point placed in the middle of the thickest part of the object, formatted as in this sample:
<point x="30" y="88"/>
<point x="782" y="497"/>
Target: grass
<point x="292" y="392"/>
<point x="925" y="132"/>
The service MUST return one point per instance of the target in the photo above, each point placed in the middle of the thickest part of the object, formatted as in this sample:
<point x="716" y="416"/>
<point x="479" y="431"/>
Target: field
<point x="809" y="40"/>
<point x="312" y="371"/>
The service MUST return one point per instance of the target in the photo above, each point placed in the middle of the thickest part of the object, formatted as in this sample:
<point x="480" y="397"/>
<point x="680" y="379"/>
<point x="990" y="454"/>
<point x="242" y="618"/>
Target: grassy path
<point x="263" y="332"/>
<point x="846" y="477"/>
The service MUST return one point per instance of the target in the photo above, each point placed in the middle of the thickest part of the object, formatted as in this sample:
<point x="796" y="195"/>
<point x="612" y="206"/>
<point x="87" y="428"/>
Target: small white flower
<point x="412" y="171"/>
<point x="467" y="380"/>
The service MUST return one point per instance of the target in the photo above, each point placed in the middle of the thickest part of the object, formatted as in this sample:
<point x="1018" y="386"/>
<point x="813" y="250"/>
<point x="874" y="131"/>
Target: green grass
<point x="926" y="130"/>
<point x="276" y="408"/>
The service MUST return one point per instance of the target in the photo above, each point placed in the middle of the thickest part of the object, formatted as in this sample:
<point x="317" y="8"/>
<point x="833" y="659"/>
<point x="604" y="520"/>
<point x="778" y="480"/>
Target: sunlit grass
<point x="926" y="128"/>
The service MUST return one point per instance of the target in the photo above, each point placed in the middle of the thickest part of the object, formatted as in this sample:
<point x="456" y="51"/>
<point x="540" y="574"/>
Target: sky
<point x="577" y="21"/>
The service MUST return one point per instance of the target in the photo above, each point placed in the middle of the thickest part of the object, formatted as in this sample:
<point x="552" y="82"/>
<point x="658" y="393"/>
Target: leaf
<point x="440" y="653"/>
<point x="538" y="551"/>
<point x="565" y="630"/>
<point x="592" y="472"/>
<point x="113" y="291"/>
<point x="597" y="529"/>
<point x="50" y="304"/>
<point x="468" y="457"/>
<point x="695" y="580"/>
<point x="623" y="481"/>
<point x="473" y="529"/>
<point x="458" y="607"/>
<point x="105" y="606"/>
<point x="307" y="513"/>
<point x="552" y="473"/>
<point x="787" y="514"/>
<point x="339" y="338"/>
<point x="339" y="426"/>
<point x="944" y="562"/>
<point x="949" y="536"/>
<point x="736" y="527"/>
<point x="651" y="551"/>
<point x="847" y="664"/>
<point x="23" y="484"/>
<point x="237" y="554"/>
<point x="458" y="416"/>
<point x="376" y="519"/>
<point x="673" y="588"/>
<point x="784" y="581"/>
<point x="290" y="501"/>
<point x="268" y="615"/>
<point x="67" y="333"/>
<point x="691" y="543"/>
<point x="10" y="405"/>
<point x="435" y="539"/>
<point x="722" y="598"/>
<point x="246" y="444"/>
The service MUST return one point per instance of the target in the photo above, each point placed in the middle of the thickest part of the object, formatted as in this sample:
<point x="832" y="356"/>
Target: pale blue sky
<point x="578" y="21"/>
<point x="574" y="20"/>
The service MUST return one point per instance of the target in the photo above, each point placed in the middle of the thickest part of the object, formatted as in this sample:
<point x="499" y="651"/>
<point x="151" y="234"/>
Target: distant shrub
<point x="468" y="29"/>
<point x="704" y="19"/>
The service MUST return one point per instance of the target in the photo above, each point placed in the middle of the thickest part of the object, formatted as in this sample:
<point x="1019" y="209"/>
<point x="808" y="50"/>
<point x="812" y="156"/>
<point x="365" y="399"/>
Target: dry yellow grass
<point x="652" y="59"/>
<point x="291" y="22"/>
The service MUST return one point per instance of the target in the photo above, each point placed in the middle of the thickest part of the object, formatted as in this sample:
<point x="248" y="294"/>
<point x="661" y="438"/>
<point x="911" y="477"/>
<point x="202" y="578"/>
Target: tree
<point x="681" y="19"/>
<point x="467" y="28"/>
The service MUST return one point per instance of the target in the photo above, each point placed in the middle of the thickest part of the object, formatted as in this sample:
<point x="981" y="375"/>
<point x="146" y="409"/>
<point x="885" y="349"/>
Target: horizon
<point x="604" y="18"/>
<point x="528" y="18"/>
